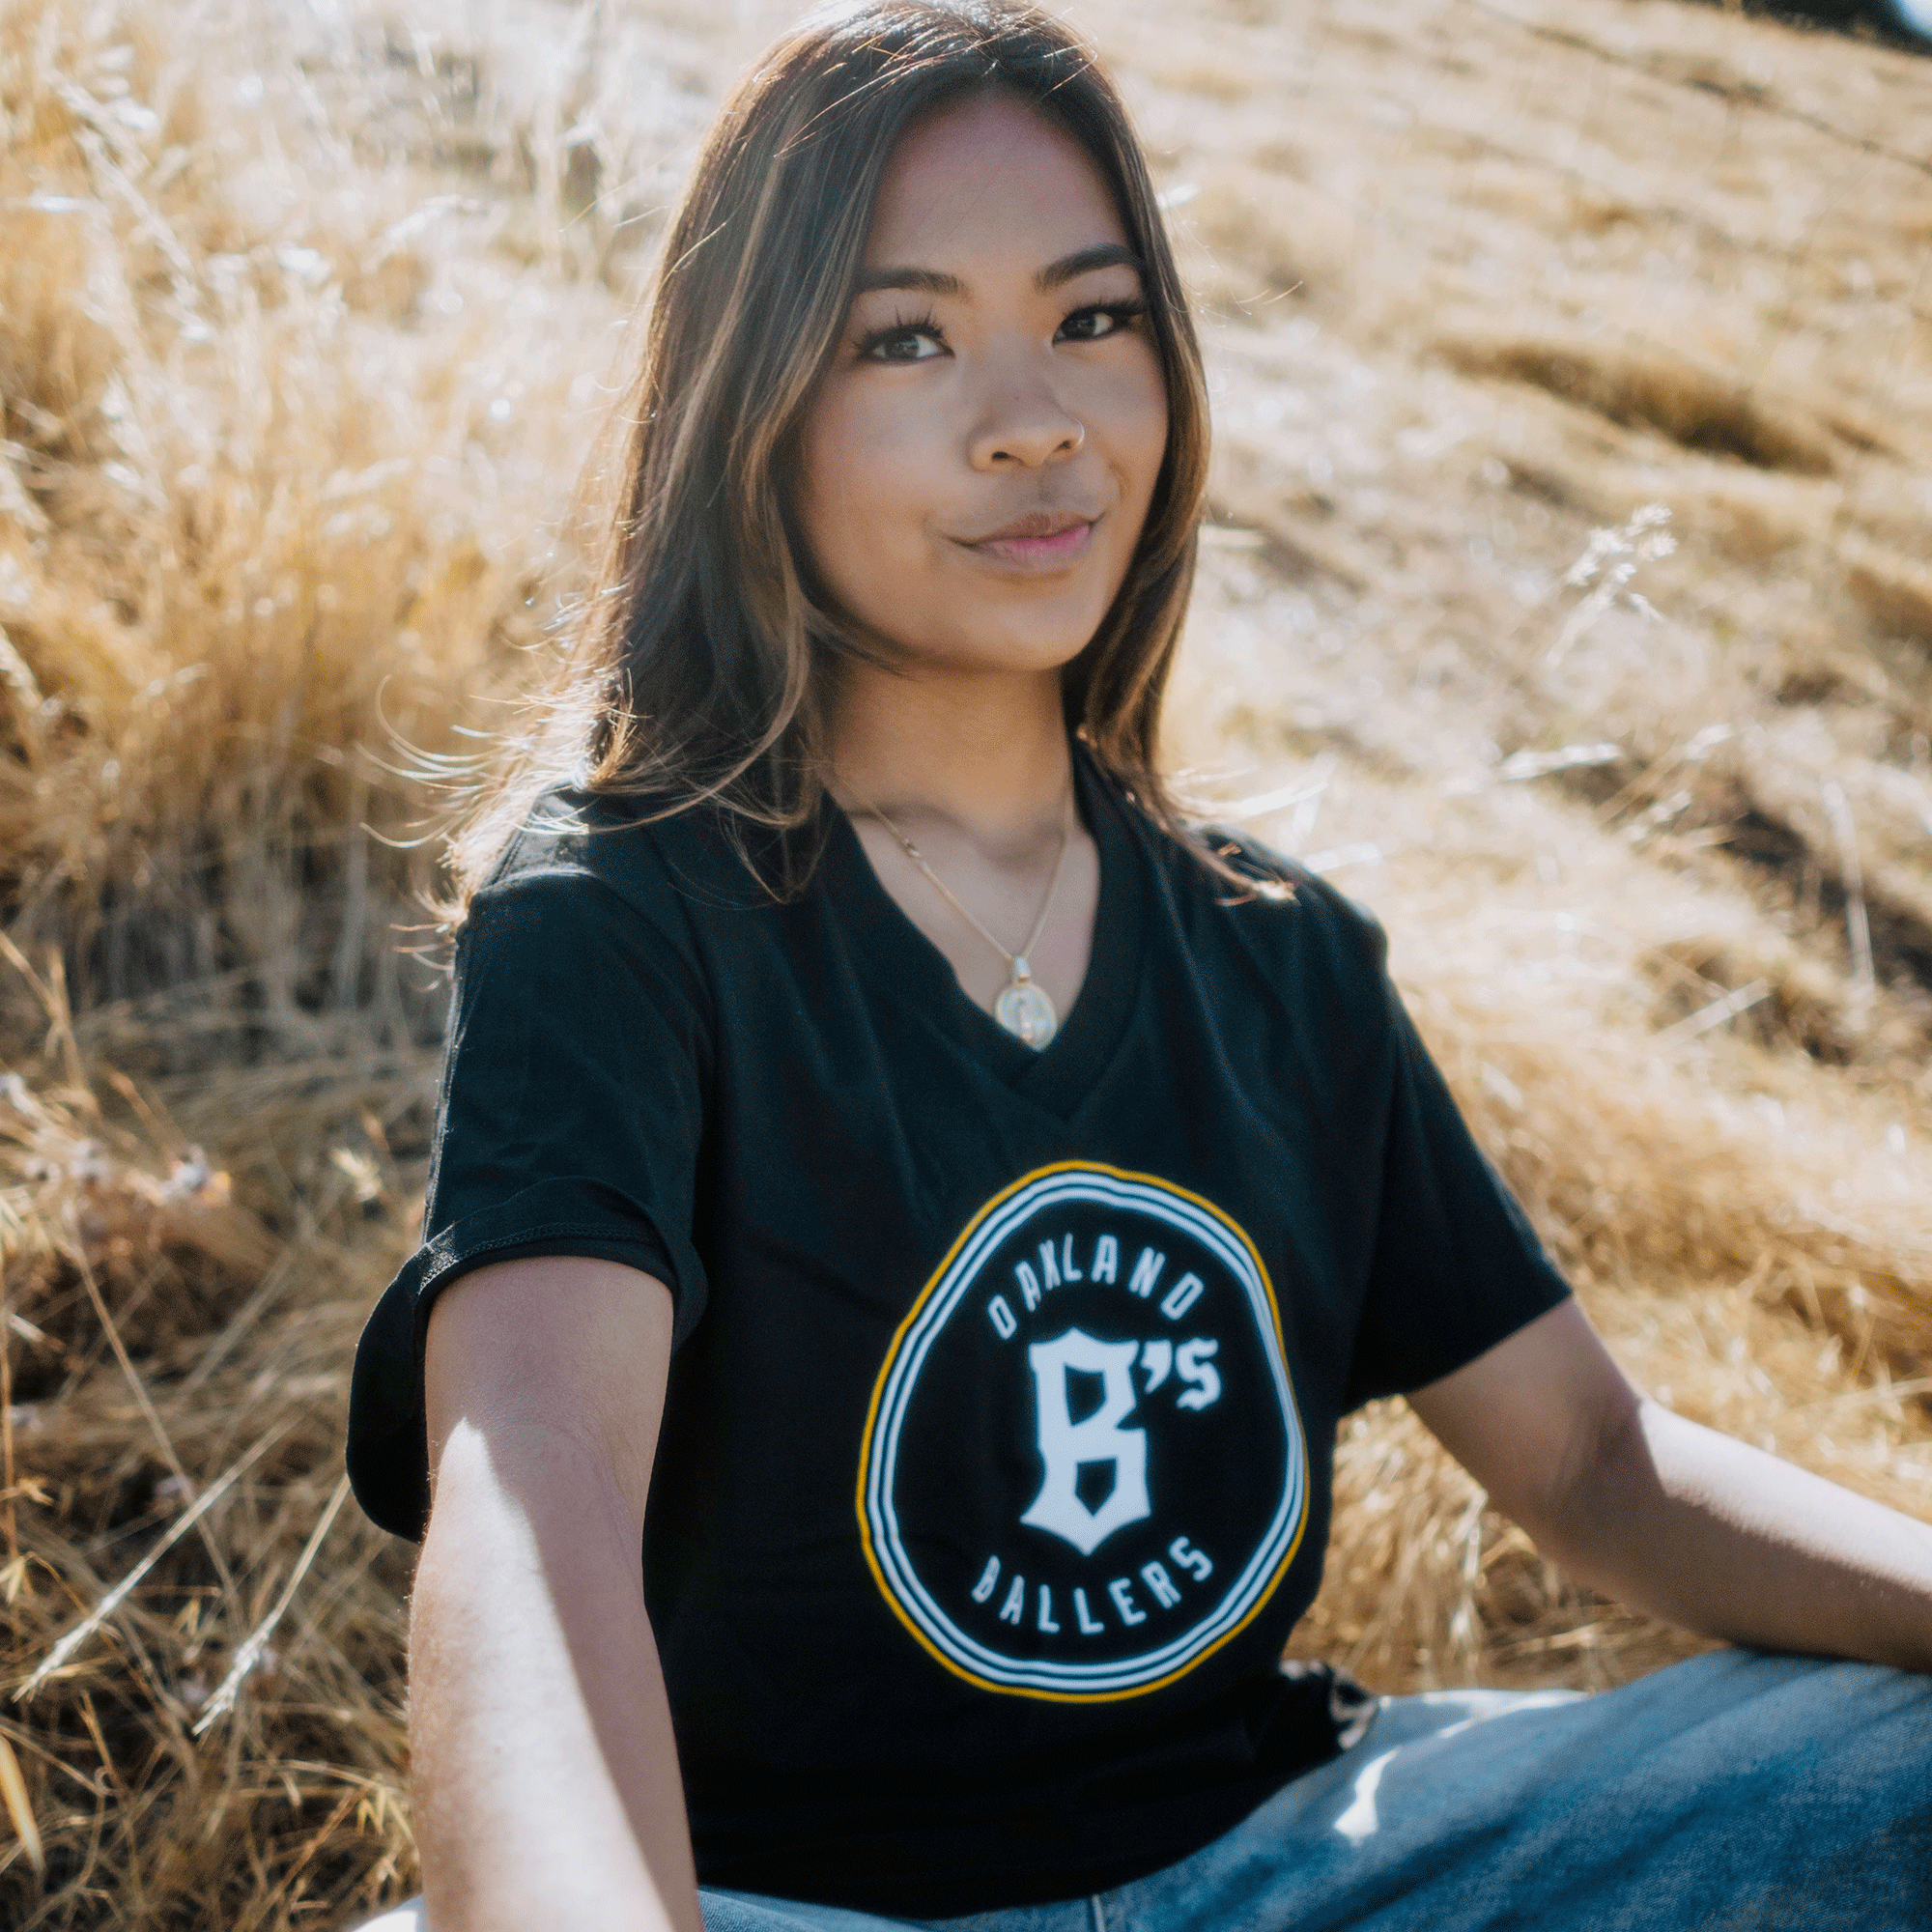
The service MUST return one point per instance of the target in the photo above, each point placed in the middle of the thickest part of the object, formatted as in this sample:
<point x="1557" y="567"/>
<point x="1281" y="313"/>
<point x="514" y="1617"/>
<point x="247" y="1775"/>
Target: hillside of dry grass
<point x="306" y="316"/>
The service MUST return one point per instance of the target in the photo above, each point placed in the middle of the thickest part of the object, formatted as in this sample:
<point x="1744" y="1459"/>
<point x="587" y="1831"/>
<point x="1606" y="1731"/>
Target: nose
<point x="1023" y="424"/>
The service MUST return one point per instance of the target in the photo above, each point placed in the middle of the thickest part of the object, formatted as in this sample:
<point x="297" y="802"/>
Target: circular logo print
<point x="1084" y="1470"/>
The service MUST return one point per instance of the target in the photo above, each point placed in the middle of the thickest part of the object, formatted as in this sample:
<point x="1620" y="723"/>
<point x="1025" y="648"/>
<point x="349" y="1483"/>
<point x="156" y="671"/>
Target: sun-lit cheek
<point x="1135" y="451"/>
<point x="1124" y="407"/>
<point x="1149" y="409"/>
<point x="864" y="519"/>
<point x="832" y="476"/>
<point x="901" y="474"/>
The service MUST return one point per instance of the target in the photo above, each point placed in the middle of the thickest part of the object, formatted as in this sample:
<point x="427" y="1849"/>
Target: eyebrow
<point x="1068" y="268"/>
<point x="1084" y="260"/>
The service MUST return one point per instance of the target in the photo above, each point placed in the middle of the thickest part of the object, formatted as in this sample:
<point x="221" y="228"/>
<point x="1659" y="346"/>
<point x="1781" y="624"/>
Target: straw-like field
<point x="307" y="315"/>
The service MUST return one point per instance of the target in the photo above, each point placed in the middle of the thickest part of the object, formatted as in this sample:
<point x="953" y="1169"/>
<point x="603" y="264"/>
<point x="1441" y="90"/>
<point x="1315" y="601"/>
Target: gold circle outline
<point x="904" y="1328"/>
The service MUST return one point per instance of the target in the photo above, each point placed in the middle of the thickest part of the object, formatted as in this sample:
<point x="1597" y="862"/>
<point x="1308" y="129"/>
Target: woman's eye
<point x="1095" y="324"/>
<point x="905" y="344"/>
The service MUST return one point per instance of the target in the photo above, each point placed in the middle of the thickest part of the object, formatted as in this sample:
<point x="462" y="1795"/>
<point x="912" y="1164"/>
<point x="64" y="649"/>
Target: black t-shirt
<point x="996" y="1458"/>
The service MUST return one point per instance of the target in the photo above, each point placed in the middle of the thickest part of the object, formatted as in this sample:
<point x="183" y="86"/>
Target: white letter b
<point x="1065" y="1445"/>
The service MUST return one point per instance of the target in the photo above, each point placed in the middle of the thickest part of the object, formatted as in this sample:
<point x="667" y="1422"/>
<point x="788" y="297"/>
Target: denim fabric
<point x="1734" y="1793"/>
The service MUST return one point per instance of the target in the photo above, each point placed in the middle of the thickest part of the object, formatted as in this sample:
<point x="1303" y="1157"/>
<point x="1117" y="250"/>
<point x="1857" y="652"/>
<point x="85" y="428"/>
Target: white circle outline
<point x="1125" y="1675"/>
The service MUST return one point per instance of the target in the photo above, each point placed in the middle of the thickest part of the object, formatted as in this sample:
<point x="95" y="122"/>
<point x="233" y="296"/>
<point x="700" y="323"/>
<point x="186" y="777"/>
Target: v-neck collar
<point x="906" y="969"/>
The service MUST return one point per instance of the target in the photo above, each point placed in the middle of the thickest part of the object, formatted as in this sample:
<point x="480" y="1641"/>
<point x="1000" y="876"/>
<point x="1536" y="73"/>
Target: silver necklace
<point x="1023" y="1006"/>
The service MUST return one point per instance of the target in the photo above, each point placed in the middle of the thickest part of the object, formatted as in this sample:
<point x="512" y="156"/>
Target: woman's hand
<point x="1674" y="1518"/>
<point x="545" y="1780"/>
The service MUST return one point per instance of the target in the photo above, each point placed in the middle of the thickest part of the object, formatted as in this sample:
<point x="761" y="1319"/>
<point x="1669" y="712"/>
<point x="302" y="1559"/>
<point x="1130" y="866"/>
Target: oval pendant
<point x="1027" y="1014"/>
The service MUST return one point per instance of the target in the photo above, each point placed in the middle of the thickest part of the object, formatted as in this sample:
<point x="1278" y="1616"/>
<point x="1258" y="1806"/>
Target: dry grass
<point x="302" y="318"/>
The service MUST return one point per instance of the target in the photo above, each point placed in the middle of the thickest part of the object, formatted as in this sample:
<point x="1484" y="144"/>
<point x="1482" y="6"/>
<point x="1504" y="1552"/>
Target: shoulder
<point x="592" y="895"/>
<point x="587" y="858"/>
<point x="1273" y="905"/>
<point x="583" y="916"/>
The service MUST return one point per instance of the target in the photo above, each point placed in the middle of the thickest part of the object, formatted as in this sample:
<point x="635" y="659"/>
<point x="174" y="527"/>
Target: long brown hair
<point x="692" y="673"/>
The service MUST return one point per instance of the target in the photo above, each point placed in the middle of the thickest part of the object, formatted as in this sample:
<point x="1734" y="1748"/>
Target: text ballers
<point x="1046" y="1488"/>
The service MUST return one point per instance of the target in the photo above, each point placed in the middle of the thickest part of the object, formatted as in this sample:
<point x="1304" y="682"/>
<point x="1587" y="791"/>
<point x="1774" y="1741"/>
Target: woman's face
<point x="978" y="459"/>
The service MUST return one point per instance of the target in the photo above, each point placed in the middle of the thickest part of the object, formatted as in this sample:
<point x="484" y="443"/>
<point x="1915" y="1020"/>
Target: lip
<point x="1043" y="539"/>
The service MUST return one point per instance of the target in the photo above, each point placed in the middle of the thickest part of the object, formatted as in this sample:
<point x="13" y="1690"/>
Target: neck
<point x="985" y="751"/>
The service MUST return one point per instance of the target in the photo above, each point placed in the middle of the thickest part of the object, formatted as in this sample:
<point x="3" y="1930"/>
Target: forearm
<point x="1706" y="1532"/>
<point x="544" y="1775"/>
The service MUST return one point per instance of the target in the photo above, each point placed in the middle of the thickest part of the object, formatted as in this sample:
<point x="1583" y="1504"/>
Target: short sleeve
<point x="568" y="1124"/>
<point x="1457" y="1267"/>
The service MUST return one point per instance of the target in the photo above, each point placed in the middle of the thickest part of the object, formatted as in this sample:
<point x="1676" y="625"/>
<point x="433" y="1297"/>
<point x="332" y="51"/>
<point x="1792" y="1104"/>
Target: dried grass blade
<point x="271" y="1285"/>
<point x="114" y="1597"/>
<point x="51" y="992"/>
<point x="317" y="1841"/>
<point x="9" y="1521"/>
<point x="77" y="1254"/>
<point x="1858" y="923"/>
<point x="1258" y="805"/>
<point x="14" y="1792"/>
<point x="1714" y="1015"/>
<point x="251" y="1650"/>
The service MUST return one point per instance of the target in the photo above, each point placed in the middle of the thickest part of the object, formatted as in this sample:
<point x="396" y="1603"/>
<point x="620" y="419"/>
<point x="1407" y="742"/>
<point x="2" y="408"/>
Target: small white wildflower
<point x="188" y="1178"/>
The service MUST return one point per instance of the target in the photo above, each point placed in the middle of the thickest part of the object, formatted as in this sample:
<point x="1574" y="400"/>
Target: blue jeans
<point x="1734" y="1791"/>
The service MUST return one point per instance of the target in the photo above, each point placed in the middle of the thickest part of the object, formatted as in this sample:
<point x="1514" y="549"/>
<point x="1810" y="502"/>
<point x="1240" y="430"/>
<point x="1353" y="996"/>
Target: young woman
<point x="891" y="1169"/>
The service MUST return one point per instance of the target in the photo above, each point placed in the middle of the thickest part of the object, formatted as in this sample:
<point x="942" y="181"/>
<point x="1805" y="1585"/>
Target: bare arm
<point x="1674" y="1518"/>
<point x="545" y="1777"/>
